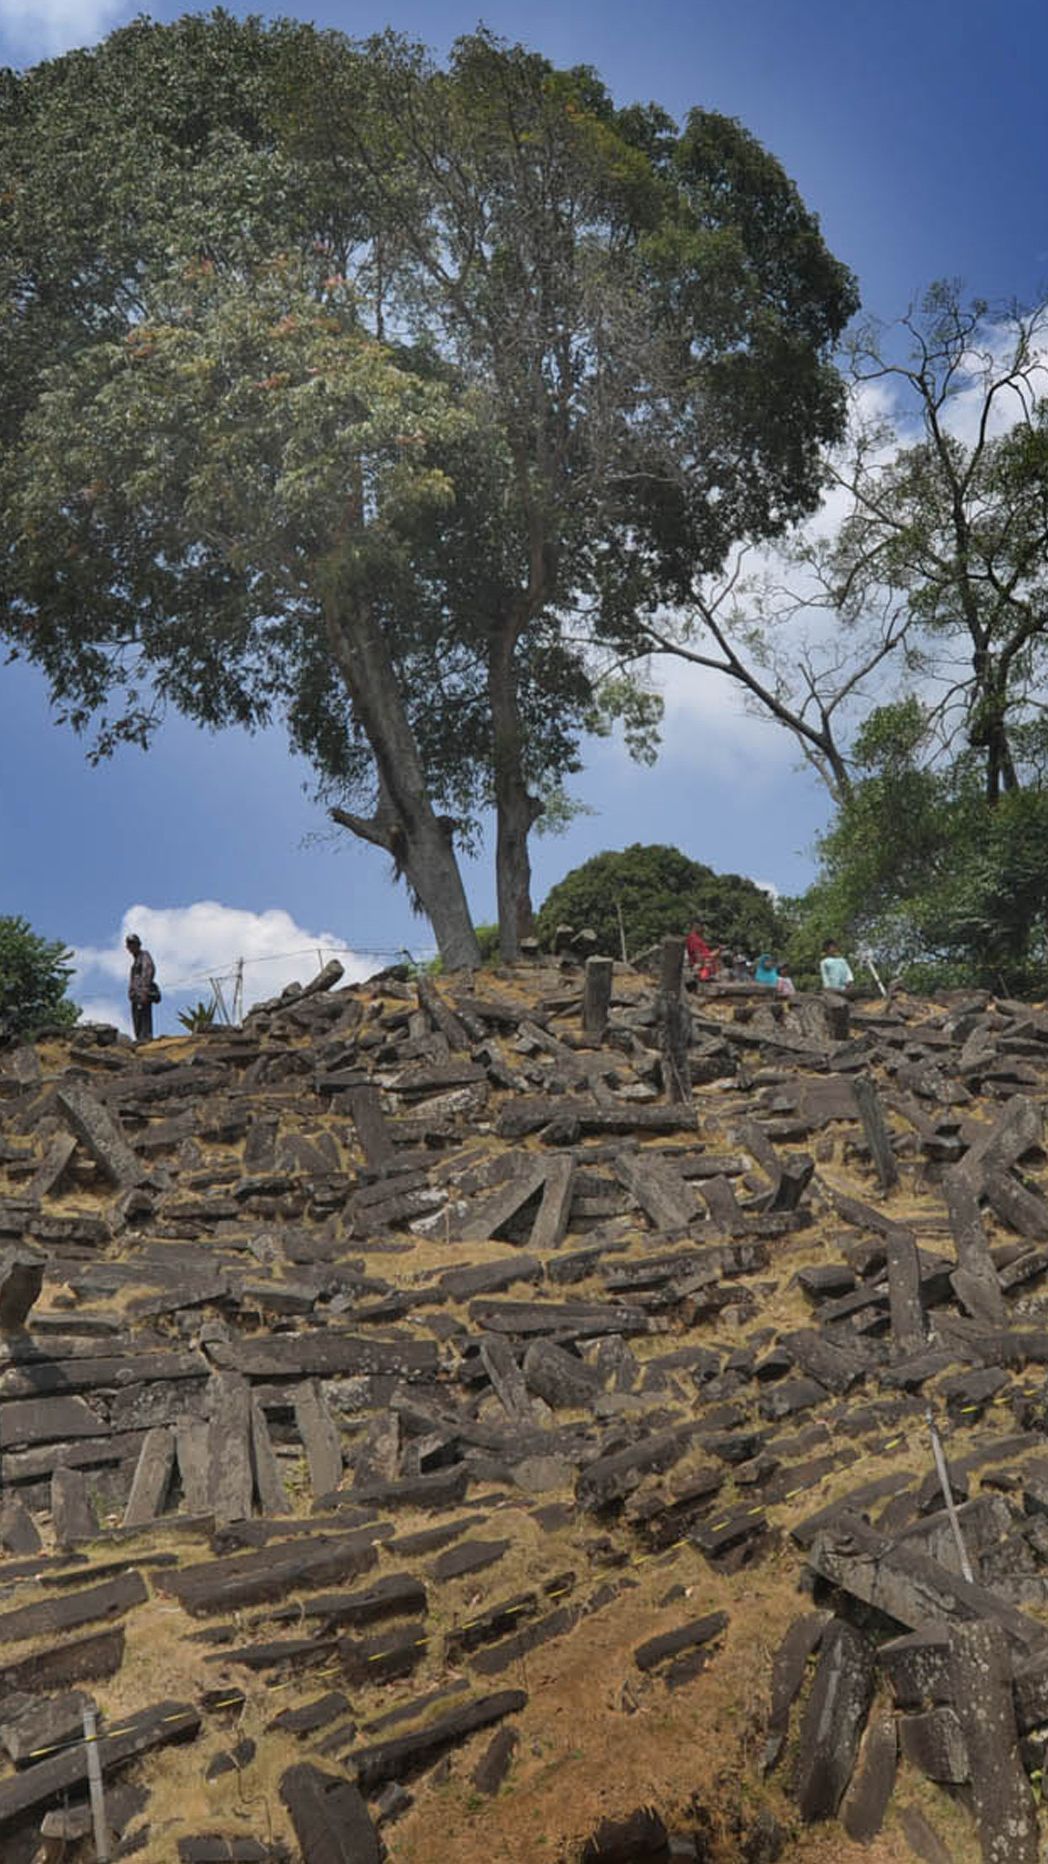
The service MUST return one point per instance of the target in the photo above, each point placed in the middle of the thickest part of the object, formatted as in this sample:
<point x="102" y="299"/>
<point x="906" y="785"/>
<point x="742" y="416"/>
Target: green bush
<point x="34" y="977"/>
<point x="647" y="891"/>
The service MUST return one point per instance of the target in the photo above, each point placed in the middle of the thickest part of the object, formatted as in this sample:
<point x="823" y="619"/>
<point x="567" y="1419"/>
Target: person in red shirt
<point x="703" y="958"/>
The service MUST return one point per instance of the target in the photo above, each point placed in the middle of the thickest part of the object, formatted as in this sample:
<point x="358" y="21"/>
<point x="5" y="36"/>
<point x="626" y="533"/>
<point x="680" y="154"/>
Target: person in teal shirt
<point x="835" y="971"/>
<point x="767" y="971"/>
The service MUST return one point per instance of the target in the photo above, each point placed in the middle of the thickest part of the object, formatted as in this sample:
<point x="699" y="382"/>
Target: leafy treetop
<point x="658" y="891"/>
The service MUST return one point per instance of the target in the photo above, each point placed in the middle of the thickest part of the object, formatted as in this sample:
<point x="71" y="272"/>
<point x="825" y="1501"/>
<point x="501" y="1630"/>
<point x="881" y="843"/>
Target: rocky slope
<point x="499" y="1419"/>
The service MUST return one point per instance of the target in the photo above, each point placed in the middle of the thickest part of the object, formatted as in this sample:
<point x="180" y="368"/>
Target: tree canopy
<point x="646" y="892"/>
<point x="34" y="978"/>
<point x="342" y="382"/>
<point x="943" y="885"/>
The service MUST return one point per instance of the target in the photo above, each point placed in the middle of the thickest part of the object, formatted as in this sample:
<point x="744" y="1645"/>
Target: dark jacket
<point x="140" y="983"/>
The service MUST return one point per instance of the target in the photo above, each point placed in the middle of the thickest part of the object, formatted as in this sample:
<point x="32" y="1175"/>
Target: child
<point x="785" y="986"/>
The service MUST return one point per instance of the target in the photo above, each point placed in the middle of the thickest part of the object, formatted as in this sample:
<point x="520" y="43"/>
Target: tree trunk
<point x="405" y="823"/>
<point x="516" y="810"/>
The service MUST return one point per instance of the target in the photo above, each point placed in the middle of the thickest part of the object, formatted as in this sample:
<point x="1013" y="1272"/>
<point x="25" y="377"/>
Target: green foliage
<point x="199" y="1016"/>
<point x="658" y="891"/>
<point x="339" y="382"/>
<point x="942" y="884"/>
<point x="488" y="940"/>
<point x="34" y="977"/>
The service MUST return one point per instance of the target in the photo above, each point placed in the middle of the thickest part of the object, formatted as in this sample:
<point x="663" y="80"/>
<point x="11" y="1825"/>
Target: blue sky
<point x="919" y="135"/>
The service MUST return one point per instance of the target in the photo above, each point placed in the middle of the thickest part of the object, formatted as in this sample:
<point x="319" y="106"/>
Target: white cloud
<point x="43" y="28"/>
<point x="193" y="944"/>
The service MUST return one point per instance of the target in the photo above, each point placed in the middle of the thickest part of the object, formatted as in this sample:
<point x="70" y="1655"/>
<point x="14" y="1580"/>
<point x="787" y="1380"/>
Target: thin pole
<point x="97" y="1791"/>
<point x="947" y="1492"/>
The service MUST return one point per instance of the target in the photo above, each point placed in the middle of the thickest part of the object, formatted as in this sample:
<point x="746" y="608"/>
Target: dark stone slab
<point x="1023" y="1210"/>
<point x="436" y="1489"/>
<point x="610" y="1478"/>
<point x="478" y="1278"/>
<point x="100" y="1133"/>
<point x="230" y="1484"/>
<point x="918" y="1666"/>
<point x="833" y="1720"/>
<point x="866" y="1800"/>
<point x="151" y="1479"/>
<point x="494" y="1764"/>
<point x="265" y="1469"/>
<point x="875" y="1128"/>
<point x="1016" y="1130"/>
<point x="486" y="1627"/>
<point x="21" y="1279"/>
<point x="254" y="1578"/>
<point x="856" y="1502"/>
<point x="42" y="1724"/>
<point x="73" y="1660"/>
<point x="49" y="1780"/>
<point x="569" y="1319"/>
<point x="325" y="1354"/>
<point x="310" y="1717"/>
<point x="933" y="1743"/>
<point x="909" y="1585"/>
<point x="401" y="1757"/>
<point x="558" y="1377"/>
<point x="46" y="1420"/>
<point x="383" y="1658"/>
<point x="788" y="1671"/>
<point x="836" y="1367"/>
<point x="697" y="1632"/>
<point x="468" y="1556"/>
<point x="493" y="1659"/>
<point x="48" y="1617"/>
<point x="904" y="1294"/>
<point x="72" y="1509"/>
<point x="1005" y="1811"/>
<point x="975" y="1282"/>
<point x="18" y="1530"/>
<point x="330" y="1820"/>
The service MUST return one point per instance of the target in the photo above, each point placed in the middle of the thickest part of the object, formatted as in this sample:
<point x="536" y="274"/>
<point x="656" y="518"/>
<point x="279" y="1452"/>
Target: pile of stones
<point x="366" y="1349"/>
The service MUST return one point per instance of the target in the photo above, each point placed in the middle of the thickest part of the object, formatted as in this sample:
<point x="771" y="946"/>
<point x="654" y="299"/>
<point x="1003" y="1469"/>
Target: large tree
<point x="338" y="377"/>
<point x="632" y="897"/>
<point x="928" y="567"/>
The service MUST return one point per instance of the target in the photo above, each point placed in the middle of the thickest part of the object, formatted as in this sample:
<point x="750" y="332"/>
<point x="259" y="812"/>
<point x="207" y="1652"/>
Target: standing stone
<point x="833" y="1721"/>
<point x="230" y="1481"/>
<point x="100" y="1134"/>
<point x="21" y="1279"/>
<point x="153" y="1474"/>
<point x="72" y="1515"/>
<point x="320" y="1438"/>
<point x="596" y="997"/>
<point x="875" y="1128"/>
<point x="269" y="1483"/>
<point x="1005" y="1812"/>
<point x="18" y="1530"/>
<point x="374" y="1135"/>
<point x="192" y="1446"/>
<point x="975" y="1280"/>
<point x="673" y="1021"/>
<point x="904" y="1293"/>
<point x="862" y="1814"/>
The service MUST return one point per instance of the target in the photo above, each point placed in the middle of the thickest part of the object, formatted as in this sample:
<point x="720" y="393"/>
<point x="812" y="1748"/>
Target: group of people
<point x="708" y="962"/>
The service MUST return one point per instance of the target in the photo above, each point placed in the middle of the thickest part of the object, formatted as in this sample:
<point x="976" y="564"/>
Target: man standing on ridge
<point x="141" y="988"/>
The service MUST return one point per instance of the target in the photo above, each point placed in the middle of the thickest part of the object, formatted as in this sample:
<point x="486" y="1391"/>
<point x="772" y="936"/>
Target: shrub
<point x="34" y="977"/>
